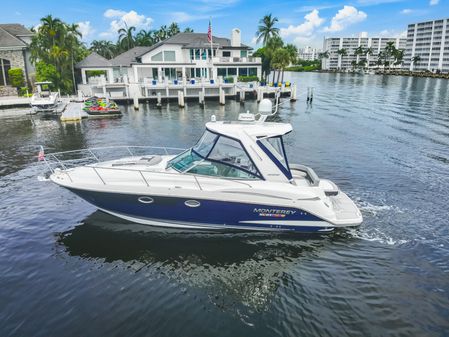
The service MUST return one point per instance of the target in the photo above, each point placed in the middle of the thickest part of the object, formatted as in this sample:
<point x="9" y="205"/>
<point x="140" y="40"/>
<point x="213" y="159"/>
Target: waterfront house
<point x="185" y="58"/>
<point x="15" y="40"/>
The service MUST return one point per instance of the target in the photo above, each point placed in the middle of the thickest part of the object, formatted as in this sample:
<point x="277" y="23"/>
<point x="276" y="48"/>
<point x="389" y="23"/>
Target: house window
<point x="197" y="72"/>
<point x="232" y="71"/>
<point x="243" y="71"/>
<point x="204" y="54"/>
<point x="169" y="56"/>
<point x="252" y="71"/>
<point x="192" y="54"/>
<point x="221" y="72"/>
<point x="243" y="53"/>
<point x="226" y="54"/>
<point x="197" y="54"/>
<point x="5" y="65"/>
<point x="157" y="57"/>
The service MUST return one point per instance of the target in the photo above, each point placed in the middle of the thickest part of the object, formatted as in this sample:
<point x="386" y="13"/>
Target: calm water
<point x="68" y="270"/>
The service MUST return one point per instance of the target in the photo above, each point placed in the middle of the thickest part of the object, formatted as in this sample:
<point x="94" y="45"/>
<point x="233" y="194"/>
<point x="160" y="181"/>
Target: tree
<point x="359" y="51"/>
<point x="57" y="44"/>
<point x="16" y="77"/>
<point x="188" y="30"/>
<point x="145" y="38"/>
<point x="389" y="52"/>
<point x="292" y="52"/>
<point x="416" y="59"/>
<point x="274" y="43"/>
<point x="126" y="38"/>
<point x="107" y="49"/>
<point x="324" y="55"/>
<point x="342" y="52"/>
<point x="398" y="57"/>
<point x="280" y="60"/>
<point x="354" y="64"/>
<point x="173" y="29"/>
<point x="266" y="29"/>
<point x="369" y="51"/>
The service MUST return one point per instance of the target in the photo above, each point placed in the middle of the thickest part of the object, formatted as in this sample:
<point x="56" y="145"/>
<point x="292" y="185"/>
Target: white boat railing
<point x="58" y="161"/>
<point x="68" y="159"/>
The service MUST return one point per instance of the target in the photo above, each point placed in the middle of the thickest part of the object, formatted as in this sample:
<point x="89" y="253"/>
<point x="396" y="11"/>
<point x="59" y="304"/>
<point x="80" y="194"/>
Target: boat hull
<point x="174" y="212"/>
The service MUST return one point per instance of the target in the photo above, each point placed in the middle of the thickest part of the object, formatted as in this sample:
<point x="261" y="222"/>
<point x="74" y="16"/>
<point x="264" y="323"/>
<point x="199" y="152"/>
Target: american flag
<point x="209" y="33"/>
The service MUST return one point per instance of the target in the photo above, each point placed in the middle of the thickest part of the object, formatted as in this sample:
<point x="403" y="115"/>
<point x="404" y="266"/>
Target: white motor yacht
<point x="236" y="177"/>
<point x="43" y="100"/>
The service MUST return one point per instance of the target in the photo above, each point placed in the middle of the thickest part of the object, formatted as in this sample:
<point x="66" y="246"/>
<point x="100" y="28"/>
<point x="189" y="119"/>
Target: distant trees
<point x="129" y="37"/>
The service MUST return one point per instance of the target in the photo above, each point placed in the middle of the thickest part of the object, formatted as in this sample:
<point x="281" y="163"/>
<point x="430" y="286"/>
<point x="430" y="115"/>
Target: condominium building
<point x="308" y="53"/>
<point x="348" y="47"/>
<point x="427" y="46"/>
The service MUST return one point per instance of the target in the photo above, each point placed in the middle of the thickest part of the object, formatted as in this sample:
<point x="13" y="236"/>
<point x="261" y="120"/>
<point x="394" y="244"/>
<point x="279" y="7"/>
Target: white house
<point x="183" y="58"/>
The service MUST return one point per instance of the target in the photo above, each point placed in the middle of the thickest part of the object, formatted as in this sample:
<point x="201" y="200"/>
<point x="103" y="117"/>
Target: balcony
<point x="237" y="60"/>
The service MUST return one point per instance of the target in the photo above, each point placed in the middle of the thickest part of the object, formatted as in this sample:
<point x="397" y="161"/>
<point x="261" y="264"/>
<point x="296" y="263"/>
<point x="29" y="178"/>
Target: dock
<point x="73" y="112"/>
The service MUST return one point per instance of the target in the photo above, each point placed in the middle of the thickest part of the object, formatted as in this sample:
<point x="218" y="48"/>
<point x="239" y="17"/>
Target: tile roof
<point x="92" y="61"/>
<point x="9" y="35"/>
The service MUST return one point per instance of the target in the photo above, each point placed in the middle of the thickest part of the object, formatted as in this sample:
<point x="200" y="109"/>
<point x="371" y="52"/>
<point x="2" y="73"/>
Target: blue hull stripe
<point x="209" y="212"/>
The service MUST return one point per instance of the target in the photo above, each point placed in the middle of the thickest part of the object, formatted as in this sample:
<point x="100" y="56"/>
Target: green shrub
<point x="229" y="79"/>
<point x="95" y="73"/>
<point x="16" y="77"/>
<point x="23" y="92"/>
<point x="248" y="79"/>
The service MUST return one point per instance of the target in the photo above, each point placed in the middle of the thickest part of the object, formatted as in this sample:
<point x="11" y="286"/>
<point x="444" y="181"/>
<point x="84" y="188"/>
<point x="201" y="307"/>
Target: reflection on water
<point x="248" y="267"/>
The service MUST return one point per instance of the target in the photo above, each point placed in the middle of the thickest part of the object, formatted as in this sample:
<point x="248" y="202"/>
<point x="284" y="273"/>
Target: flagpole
<point x="211" y="50"/>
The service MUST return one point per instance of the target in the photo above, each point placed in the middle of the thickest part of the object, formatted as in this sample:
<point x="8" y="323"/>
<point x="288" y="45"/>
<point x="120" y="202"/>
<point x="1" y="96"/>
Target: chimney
<point x="235" y="38"/>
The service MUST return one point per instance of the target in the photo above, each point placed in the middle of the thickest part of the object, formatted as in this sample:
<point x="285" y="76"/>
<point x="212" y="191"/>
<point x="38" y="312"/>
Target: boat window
<point x="205" y="144"/>
<point x="230" y="151"/>
<point x="275" y="146"/>
<point x="185" y="161"/>
<point x="216" y="155"/>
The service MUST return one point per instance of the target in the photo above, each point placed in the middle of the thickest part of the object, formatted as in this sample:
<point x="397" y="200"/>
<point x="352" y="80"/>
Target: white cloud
<point x="406" y="11"/>
<point x="305" y="29"/>
<point x="345" y="17"/>
<point x="85" y="29"/>
<point x="122" y="19"/>
<point x="317" y="7"/>
<point x="113" y="13"/>
<point x="434" y="2"/>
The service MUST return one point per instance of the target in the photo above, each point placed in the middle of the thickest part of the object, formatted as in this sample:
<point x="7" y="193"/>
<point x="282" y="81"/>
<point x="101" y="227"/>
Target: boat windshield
<point x="275" y="146"/>
<point x="216" y="155"/>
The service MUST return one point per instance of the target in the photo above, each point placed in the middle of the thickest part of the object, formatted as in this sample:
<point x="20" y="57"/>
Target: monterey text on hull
<point x="237" y="176"/>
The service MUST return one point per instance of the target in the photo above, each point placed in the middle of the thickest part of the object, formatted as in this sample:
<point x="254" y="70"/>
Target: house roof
<point x="16" y="29"/>
<point x="93" y="61"/>
<point x="9" y="35"/>
<point x="200" y="40"/>
<point x="130" y="56"/>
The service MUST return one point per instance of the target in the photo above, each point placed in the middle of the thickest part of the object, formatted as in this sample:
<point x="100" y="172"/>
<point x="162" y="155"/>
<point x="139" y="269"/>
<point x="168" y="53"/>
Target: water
<point x="66" y="269"/>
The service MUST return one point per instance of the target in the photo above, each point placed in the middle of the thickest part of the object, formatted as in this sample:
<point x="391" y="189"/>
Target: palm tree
<point x="369" y="51"/>
<point x="126" y="38"/>
<point x="73" y="34"/>
<point x="266" y="29"/>
<point x="104" y="48"/>
<point x="341" y="52"/>
<point x="389" y="52"/>
<point x="280" y="60"/>
<point x="52" y="27"/>
<point x="274" y="43"/>
<point x="398" y="56"/>
<point x="416" y="59"/>
<point x="324" y="55"/>
<point x="359" y="51"/>
<point x="188" y="30"/>
<point x="162" y="33"/>
<point x="145" y="38"/>
<point x="173" y="29"/>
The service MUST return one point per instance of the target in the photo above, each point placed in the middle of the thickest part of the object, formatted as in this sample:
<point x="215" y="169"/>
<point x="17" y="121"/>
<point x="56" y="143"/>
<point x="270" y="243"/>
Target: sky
<point x="303" y="23"/>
